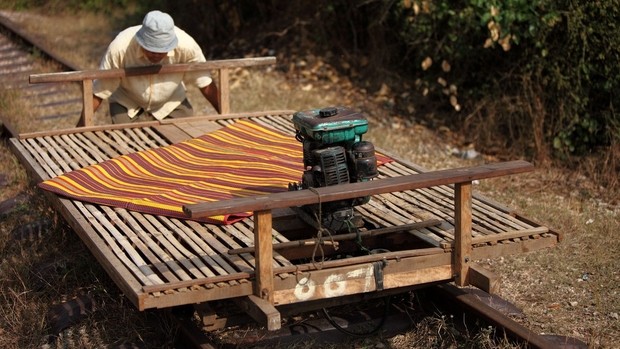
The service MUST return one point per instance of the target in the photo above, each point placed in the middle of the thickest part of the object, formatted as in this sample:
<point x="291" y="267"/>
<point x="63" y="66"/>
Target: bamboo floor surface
<point x="161" y="262"/>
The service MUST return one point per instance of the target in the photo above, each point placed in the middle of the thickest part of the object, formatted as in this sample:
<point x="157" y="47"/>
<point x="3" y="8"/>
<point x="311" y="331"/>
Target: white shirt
<point x="157" y="94"/>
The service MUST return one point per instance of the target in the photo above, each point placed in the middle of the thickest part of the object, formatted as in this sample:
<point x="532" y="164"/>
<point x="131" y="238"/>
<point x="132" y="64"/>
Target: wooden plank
<point x="432" y="200"/>
<point x="200" y="248"/>
<point x="109" y="151"/>
<point x="484" y="216"/>
<point x="135" y="141"/>
<point x="284" y="124"/>
<point x="507" y="235"/>
<point x="418" y="169"/>
<point x="225" y="119"/>
<point x="84" y="228"/>
<point x="347" y="236"/>
<point x="156" y="257"/>
<point x="418" y="277"/>
<point x="224" y="90"/>
<point x="363" y="278"/>
<point x="352" y="190"/>
<point x="44" y="160"/>
<point x="28" y="159"/>
<point x="122" y="247"/>
<point x="128" y="277"/>
<point x="246" y="237"/>
<point x="78" y="159"/>
<point x="166" y="239"/>
<point x="225" y="279"/>
<point x="58" y="154"/>
<point x="481" y="209"/>
<point x="159" y="141"/>
<point x="246" y="260"/>
<point x="261" y="310"/>
<point x="148" y="70"/>
<point x="396" y="201"/>
<point x="86" y="119"/>
<point x="425" y="235"/>
<point x="198" y="128"/>
<point x="462" y="232"/>
<point x="121" y="141"/>
<point x="225" y="260"/>
<point x="85" y="129"/>
<point x="144" y="137"/>
<point x="172" y="133"/>
<point x="502" y="250"/>
<point x="326" y="266"/>
<point x="119" y="144"/>
<point x="484" y="279"/>
<point x="264" y="256"/>
<point x="197" y="295"/>
<point x="247" y="228"/>
<point x="87" y="146"/>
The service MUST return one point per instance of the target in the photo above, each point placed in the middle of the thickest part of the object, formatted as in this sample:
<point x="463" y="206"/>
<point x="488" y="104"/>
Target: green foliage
<point x="542" y="70"/>
<point x="486" y="47"/>
<point x="105" y="6"/>
<point x="587" y="75"/>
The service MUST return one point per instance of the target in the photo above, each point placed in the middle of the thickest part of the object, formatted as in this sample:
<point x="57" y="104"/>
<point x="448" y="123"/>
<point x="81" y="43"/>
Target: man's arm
<point x="212" y="95"/>
<point x="96" y="103"/>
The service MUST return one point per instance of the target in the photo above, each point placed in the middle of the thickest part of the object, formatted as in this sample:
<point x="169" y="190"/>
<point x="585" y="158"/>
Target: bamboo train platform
<point x="420" y="227"/>
<point x="426" y="232"/>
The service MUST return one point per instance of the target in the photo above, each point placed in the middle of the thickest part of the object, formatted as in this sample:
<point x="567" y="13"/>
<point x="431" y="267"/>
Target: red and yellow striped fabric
<point x="240" y="160"/>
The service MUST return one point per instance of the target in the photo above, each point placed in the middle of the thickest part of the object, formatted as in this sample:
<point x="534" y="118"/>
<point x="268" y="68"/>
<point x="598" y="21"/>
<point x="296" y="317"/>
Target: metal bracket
<point x="378" y="269"/>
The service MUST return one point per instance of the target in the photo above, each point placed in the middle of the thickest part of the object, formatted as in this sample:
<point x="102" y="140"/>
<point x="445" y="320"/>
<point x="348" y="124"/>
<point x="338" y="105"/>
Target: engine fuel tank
<point x="331" y="125"/>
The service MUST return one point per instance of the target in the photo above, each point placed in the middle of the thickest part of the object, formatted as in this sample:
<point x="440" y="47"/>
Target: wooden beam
<point x="263" y="255"/>
<point x="224" y="97"/>
<point x="507" y="235"/>
<point x="86" y="119"/>
<point x="484" y="279"/>
<point x="261" y="310"/>
<point x="167" y="121"/>
<point x="152" y="69"/>
<point x="353" y="190"/>
<point x="208" y="317"/>
<point x="462" y="232"/>
<point x="348" y="236"/>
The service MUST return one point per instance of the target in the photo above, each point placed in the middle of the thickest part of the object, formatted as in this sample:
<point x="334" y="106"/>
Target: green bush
<point x="494" y="51"/>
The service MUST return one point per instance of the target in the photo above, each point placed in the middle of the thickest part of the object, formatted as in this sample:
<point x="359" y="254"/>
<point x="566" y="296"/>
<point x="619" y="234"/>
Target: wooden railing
<point x="86" y="77"/>
<point x="263" y="205"/>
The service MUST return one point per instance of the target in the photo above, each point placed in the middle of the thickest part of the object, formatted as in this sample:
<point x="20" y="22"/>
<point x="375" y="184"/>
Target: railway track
<point x="42" y="105"/>
<point x="322" y="321"/>
<point x="481" y="320"/>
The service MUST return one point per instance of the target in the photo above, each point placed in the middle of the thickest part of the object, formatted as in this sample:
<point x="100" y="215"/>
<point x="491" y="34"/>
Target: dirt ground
<point x="570" y="290"/>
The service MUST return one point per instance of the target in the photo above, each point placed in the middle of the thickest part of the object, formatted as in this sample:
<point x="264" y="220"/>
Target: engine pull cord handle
<point x="298" y="136"/>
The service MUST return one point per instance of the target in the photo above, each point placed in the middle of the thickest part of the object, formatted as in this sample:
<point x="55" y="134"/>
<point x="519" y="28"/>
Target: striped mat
<point x="240" y="160"/>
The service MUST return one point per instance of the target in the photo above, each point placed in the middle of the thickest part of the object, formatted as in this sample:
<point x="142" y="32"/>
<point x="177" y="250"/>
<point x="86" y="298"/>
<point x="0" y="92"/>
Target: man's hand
<point x="96" y="103"/>
<point x="212" y="95"/>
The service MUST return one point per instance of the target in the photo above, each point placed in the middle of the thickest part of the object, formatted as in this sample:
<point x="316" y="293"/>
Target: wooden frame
<point x="260" y="277"/>
<point x="264" y="281"/>
<point x="262" y="206"/>
<point x="86" y="78"/>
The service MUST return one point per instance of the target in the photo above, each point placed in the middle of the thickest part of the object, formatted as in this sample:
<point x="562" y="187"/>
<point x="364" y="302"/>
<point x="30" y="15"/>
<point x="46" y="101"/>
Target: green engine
<point x="334" y="153"/>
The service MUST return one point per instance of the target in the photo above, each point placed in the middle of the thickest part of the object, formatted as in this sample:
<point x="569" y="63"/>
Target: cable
<point x="387" y="301"/>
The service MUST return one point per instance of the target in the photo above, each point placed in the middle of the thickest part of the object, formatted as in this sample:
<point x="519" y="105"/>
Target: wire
<point x="387" y="301"/>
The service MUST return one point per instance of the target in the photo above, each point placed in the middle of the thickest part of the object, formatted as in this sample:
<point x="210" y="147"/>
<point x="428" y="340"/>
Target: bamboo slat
<point x="181" y="261"/>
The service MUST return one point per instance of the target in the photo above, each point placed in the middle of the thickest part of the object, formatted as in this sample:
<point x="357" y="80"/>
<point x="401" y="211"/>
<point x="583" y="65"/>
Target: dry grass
<point x="570" y="290"/>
